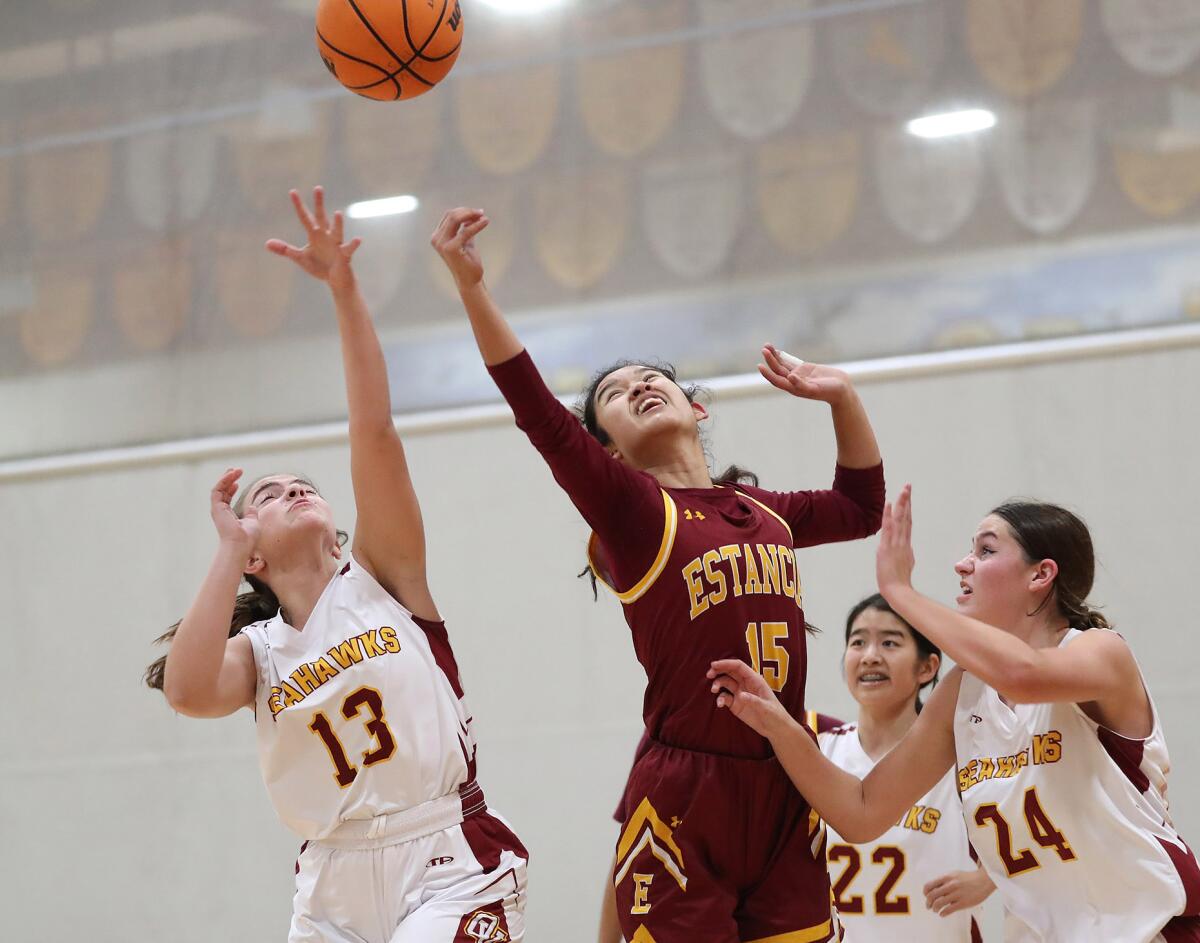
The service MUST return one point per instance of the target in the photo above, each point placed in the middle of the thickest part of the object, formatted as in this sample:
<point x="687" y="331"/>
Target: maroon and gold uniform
<point x="717" y="844"/>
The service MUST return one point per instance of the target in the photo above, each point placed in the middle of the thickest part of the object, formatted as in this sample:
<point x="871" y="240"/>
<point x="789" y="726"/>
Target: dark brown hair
<point x="259" y="604"/>
<point x="1049" y="532"/>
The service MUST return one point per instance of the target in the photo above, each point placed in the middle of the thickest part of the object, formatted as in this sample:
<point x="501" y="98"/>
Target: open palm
<point x="325" y="256"/>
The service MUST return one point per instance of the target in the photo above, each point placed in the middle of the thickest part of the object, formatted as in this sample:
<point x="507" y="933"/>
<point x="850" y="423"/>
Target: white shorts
<point x="462" y="884"/>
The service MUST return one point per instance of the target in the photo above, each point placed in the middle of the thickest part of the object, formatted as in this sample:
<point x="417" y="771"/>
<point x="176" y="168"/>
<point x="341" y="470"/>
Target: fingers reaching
<point x="302" y="212"/>
<point x="319" y="208"/>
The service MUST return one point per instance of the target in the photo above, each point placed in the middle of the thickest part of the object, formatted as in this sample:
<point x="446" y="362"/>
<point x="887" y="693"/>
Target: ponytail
<point x="257" y="605"/>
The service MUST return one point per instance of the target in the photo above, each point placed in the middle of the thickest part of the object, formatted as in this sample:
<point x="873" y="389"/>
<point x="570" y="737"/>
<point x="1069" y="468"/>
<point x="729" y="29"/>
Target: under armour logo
<point x="437" y="862"/>
<point x="676" y="821"/>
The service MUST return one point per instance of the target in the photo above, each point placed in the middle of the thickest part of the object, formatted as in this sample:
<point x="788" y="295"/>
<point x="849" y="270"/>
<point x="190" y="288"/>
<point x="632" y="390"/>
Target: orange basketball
<point x="389" y="49"/>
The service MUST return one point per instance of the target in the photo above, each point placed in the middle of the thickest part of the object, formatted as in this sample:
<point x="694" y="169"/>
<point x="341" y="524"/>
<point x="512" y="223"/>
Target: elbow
<point x="183" y="700"/>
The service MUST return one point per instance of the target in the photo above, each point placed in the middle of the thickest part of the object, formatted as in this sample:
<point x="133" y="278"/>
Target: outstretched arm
<point x="208" y="674"/>
<point x="860" y="810"/>
<point x="454" y="240"/>
<point x="389" y="535"/>
<point x="619" y="503"/>
<point x="856" y="445"/>
<point x="1098" y="667"/>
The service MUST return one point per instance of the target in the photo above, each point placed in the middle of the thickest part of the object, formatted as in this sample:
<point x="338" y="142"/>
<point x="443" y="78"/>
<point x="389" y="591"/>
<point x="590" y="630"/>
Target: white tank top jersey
<point x="360" y="714"/>
<point x="1071" y="822"/>
<point x="878" y="887"/>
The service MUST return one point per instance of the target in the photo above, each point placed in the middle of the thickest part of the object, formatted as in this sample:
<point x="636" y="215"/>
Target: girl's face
<point x="882" y="665"/>
<point x="995" y="579"/>
<point x="291" y="513"/>
<point x="637" y="406"/>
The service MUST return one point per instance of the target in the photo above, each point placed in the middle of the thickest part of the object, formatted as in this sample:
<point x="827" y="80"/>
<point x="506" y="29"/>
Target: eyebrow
<point x="986" y="533"/>
<point x="897" y="632"/>
<point x="262" y="486"/>
<point x="607" y="380"/>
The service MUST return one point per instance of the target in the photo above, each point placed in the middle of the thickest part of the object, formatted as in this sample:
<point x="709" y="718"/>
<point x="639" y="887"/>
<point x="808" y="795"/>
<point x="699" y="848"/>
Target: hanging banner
<point x="253" y="286"/>
<point x="505" y="119"/>
<point x="1044" y="155"/>
<point x="169" y="176"/>
<point x="630" y="99"/>
<point x="581" y="221"/>
<point x="929" y="187"/>
<point x="281" y="149"/>
<point x="1159" y="172"/>
<point x="381" y="264"/>
<point x="969" y="332"/>
<point x="692" y="211"/>
<point x="391" y="149"/>
<point x="1023" y="47"/>
<point x="152" y="293"/>
<point x="755" y="80"/>
<point x="808" y="189"/>
<point x="66" y="188"/>
<point x="55" y="325"/>
<point x="497" y="243"/>
<point x="1159" y="37"/>
<point x="886" y="62"/>
<point x="7" y="165"/>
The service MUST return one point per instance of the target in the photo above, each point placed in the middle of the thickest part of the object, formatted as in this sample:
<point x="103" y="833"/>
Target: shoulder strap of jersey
<point x="635" y="592"/>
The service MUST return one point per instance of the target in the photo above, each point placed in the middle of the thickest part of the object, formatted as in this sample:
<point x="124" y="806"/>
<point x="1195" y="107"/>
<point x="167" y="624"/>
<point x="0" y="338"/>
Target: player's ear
<point x="1044" y="575"/>
<point x="699" y="411"/>
<point x="929" y="668"/>
<point x="254" y="565"/>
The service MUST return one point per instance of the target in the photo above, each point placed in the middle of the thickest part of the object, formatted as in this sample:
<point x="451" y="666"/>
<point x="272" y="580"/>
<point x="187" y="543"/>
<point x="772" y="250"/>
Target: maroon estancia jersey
<point x="702" y="573"/>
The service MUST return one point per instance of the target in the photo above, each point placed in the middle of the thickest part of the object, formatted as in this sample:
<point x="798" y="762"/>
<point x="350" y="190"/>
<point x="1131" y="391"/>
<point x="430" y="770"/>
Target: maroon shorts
<point x="719" y="849"/>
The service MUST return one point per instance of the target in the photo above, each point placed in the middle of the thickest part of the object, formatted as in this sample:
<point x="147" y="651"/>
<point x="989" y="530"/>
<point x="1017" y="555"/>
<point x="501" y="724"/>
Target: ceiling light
<point x="951" y="123"/>
<point x="387" y="206"/>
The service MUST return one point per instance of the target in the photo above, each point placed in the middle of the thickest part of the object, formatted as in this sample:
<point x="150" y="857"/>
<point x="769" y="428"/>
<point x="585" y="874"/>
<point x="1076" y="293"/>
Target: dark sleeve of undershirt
<point x="623" y="506"/>
<point x="851" y="509"/>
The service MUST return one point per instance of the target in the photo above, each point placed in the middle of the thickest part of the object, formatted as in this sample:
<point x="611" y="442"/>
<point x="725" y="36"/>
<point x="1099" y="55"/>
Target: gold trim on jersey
<point x="642" y="935"/>
<point x="808" y="935"/>
<point x="775" y="515"/>
<point x="635" y="592"/>
<point x="644" y="827"/>
<point x="816" y="827"/>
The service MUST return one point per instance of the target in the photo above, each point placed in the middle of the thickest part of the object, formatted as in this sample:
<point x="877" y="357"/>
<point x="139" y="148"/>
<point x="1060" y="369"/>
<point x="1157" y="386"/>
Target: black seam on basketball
<point x="387" y="76"/>
<point x="420" y="52"/>
<point x="405" y="64"/>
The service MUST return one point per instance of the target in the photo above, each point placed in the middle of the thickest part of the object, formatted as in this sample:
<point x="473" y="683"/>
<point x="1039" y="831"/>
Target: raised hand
<point x="743" y="690"/>
<point x="454" y="241"/>
<point x="894" y="559"/>
<point x="805" y="380"/>
<point x="242" y="532"/>
<point x="325" y="256"/>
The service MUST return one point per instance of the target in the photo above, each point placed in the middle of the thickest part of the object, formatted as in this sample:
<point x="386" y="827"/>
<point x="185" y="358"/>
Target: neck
<point x="680" y="466"/>
<point x="299" y="585"/>
<point x="881" y="728"/>
<point x="1040" y="630"/>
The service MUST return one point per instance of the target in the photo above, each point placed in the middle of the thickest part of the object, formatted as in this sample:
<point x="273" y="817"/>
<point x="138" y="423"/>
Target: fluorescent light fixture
<point x="388" y="206"/>
<point x="951" y="123"/>
<point x="522" y="6"/>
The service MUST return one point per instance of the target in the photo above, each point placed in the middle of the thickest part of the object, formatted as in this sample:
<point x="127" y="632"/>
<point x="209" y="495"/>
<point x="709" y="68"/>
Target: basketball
<point x="389" y="49"/>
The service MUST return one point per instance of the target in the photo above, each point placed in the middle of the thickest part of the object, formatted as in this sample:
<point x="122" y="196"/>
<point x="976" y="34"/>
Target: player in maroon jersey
<point x="716" y="844"/>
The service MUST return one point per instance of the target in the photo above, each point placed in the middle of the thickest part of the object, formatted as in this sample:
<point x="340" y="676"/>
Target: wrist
<point x="235" y="551"/>
<point x="471" y="289"/>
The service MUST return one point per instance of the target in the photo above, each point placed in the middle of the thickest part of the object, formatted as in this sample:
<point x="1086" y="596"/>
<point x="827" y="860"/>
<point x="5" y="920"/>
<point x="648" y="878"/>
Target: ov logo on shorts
<point x="436" y="862"/>
<point x="485" y="927"/>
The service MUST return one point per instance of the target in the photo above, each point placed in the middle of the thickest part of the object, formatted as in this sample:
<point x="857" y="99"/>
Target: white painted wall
<point x="120" y="821"/>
